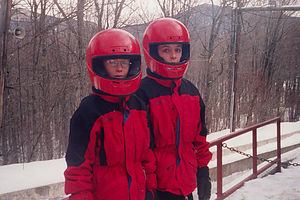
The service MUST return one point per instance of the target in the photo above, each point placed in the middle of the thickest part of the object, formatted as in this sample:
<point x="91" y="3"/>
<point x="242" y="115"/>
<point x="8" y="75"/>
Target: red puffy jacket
<point x="108" y="155"/>
<point x="177" y="115"/>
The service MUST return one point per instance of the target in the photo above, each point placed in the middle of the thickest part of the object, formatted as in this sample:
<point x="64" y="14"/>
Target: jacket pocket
<point x="166" y="168"/>
<point x="189" y="167"/>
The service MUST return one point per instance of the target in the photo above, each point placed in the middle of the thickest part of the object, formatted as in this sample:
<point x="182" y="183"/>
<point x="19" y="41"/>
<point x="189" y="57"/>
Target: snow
<point x="283" y="185"/>
<point x="18" y="177"/>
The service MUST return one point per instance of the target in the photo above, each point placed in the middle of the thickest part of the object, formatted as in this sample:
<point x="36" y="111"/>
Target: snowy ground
<point x="281" y="186"/>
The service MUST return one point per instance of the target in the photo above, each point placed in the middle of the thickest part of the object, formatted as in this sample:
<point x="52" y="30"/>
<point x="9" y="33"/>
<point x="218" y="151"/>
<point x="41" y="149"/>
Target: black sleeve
<point x="78" y="140"/>
<point x="203" y="131"/>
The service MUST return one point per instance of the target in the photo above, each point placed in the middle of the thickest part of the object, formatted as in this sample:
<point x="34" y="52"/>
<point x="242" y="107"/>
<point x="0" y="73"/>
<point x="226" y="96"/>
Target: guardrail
<point x="222" y="195"/>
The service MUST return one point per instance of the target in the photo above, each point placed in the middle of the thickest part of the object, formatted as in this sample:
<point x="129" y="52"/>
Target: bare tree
<point x="211" y="32"/>
<point x="5" y="9"/>
<point x="45" y="76"/>
<point x="173" y="8"/>
<point x="109" y="14"/>
<point x="217" y="19"/>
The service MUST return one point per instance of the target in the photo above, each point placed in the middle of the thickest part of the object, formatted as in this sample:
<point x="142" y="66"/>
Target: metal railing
<point x="219" y="143"/>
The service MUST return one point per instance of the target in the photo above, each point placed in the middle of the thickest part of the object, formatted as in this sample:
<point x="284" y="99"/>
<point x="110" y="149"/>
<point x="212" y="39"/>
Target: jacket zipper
<point x="178" y="140"/>
<point x="125" y="117"/>
<point x="177" y="130"/>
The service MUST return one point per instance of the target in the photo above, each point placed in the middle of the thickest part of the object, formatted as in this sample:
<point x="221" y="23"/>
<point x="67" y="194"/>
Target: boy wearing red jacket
<point x="109" y="154"/>
<point x="177" y="113"/>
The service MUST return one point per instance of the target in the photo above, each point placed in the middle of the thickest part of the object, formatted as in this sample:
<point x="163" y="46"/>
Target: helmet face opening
<point x="134" y="68"/>
<point x="153" y="51"/>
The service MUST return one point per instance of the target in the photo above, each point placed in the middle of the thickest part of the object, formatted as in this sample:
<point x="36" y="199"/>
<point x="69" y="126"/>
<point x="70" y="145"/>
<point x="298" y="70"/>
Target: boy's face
<point x="170" y="52"/>
<point x="117" y="68"/>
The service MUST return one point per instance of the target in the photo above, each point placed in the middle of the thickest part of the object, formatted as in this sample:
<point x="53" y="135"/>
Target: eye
<point x="112" y="63"/>
<point x="166" y="50"/>
<point x="125" y="63"/>
<point x="178" y="50"/>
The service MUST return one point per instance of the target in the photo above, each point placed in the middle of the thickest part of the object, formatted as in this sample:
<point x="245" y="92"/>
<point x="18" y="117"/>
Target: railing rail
<point x="218" y="142"/>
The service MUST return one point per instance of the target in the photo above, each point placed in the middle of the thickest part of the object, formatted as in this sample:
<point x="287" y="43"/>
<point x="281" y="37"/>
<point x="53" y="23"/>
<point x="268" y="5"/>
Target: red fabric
<point x="193" y="148"/>
<point x="202" y="151"/>
<point x="151" y="182"/>
<point x="127" y="155"/>
<point x="82" y="196"/>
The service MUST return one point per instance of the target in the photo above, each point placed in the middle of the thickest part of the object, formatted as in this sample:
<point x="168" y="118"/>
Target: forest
<point x="44" y="77"/>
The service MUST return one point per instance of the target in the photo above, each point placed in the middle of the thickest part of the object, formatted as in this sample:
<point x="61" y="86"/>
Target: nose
<point x="119" y="67"/>
<point x="173" y="55"/>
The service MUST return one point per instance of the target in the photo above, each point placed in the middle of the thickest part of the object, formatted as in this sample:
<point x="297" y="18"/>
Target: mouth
<point x="119" y="76"/>
<point x="172" y="68"/>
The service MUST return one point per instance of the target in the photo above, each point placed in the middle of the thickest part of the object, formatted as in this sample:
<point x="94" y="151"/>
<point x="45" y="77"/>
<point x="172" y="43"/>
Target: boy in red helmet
<point x="109" y="154"/>
<point x="177" y="113"/>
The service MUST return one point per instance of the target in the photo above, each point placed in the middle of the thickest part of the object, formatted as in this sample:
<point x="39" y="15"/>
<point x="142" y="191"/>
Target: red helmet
<point x="162" y="31"/>
<point x="114" y="44"/>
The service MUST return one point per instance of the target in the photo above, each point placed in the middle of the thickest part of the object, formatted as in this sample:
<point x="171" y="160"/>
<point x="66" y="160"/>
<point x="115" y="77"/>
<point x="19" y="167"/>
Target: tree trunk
<point x="5" y="11"/>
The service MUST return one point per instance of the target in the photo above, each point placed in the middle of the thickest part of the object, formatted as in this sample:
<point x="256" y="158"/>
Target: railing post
<point x="278" y="146"/>
<point x="219" y="172"/>
<point x="254" y="151"/>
